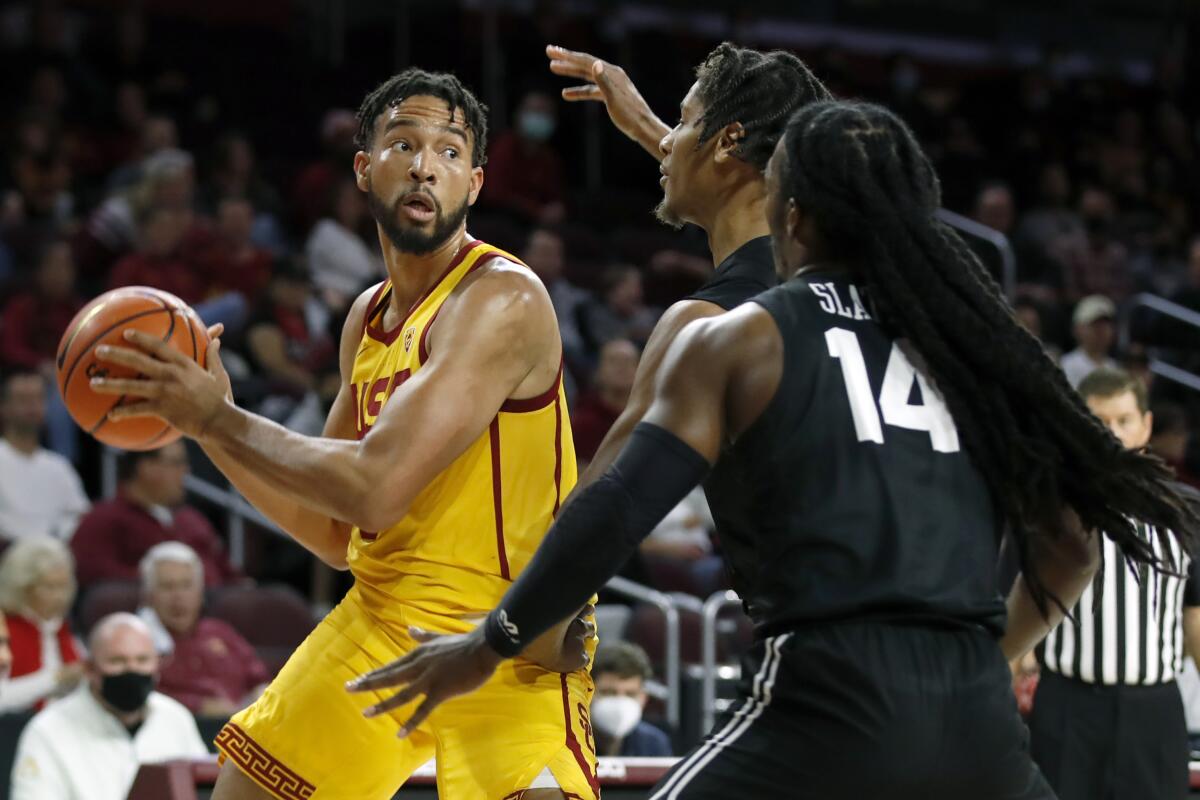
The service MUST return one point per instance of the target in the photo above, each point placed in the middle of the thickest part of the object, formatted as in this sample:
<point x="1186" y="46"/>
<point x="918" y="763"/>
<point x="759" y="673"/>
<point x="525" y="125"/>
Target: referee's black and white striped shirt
<point x="1134" y="636"/>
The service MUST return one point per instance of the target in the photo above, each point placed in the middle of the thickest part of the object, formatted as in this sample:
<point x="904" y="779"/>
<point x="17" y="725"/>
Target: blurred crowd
<point x="133" y="156"/>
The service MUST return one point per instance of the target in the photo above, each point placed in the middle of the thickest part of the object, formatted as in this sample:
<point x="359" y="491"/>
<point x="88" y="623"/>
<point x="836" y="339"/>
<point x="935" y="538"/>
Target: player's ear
<point x="362" y="169"/>
<point x="794" y="220"/>
<point x="727" y="142"/>
<point x="476" y="185"/>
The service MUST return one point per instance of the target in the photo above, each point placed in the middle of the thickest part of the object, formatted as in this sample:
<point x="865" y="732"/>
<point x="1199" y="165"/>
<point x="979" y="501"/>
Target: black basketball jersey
<point x="744" y="273"/>
<point x="852" y="496"/>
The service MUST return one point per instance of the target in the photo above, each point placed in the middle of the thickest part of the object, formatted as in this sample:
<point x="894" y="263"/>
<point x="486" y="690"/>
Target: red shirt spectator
<point x="590" y="421"/>
<point x="115" y="535"/>
<point x="206" y="665"/>
<point x="314" y="183"/>
<point x="159" y="261"/>
<point x="34" y="321"/>
<point x="599" y="408"/>
<point x="33" y="326"/>
<point x="524" y="174"/>
<point x="211" y="661"/>
<point x="231" y="260"/>
<point x="27" y="639"/>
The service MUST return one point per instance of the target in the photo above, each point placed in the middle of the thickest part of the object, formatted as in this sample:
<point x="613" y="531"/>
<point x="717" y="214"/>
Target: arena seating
<point x="275" y="619"/>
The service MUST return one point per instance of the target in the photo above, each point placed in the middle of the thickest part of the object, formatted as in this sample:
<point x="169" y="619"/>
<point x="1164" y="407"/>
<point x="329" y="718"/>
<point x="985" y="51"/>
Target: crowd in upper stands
<point x="132" y="155"/>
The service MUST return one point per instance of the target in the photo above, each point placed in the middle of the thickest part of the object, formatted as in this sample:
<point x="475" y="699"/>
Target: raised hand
<point x="609" y="84"/>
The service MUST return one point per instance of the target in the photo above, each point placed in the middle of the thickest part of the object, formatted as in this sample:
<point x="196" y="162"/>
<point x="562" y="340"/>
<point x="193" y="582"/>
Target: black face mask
<point x="127" y="691"/>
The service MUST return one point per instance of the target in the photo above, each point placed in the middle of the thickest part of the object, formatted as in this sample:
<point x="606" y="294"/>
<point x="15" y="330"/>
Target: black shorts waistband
<point x="928" y="622"/>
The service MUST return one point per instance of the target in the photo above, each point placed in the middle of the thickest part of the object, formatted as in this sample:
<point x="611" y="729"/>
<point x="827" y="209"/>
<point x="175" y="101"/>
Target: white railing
<point x="713" y="607"/>
<point x="1163" y="307"/>
<point x="669" y="606"/>
<point x="1008" y="259"/>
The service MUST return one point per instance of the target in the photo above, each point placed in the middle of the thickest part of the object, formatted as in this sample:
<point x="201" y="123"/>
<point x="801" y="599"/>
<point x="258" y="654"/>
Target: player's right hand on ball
<point x="606" y="83"/>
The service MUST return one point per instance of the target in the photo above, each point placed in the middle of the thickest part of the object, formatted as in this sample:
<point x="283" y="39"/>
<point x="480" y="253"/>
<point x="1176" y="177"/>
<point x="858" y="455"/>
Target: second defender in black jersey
<point x="848" y="497"/>
<point x="871" y="442"/>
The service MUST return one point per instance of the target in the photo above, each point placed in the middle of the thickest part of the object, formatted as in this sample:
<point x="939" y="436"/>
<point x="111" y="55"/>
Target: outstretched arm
<point x="609" y="84"/>
<point x="716" y="379"/>
<point x="431" y="419"/>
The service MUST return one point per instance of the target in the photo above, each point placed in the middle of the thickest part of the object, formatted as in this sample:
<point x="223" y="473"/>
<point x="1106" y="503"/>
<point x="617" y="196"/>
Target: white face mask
<point x="616" y="716"/>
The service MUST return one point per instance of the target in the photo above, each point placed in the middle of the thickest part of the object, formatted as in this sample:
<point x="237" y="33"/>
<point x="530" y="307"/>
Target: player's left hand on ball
<point x="174" y="387"/>
<point x="442" y="667"/>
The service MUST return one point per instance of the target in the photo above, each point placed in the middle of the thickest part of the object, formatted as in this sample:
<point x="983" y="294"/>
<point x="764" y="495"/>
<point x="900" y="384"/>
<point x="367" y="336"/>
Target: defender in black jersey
<point x="711" y="166"/>
<point x="875" y="423"/>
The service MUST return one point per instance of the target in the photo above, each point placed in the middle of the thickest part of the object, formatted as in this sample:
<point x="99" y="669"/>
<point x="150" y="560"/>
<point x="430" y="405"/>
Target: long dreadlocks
<point x="857" y="170"/>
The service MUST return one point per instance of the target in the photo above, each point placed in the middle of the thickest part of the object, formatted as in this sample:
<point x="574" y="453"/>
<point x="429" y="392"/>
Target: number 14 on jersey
<point x="931" y="415"/>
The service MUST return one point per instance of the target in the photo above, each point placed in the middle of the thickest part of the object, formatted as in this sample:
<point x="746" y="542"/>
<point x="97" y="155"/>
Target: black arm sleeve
<point x="595" y="534"/>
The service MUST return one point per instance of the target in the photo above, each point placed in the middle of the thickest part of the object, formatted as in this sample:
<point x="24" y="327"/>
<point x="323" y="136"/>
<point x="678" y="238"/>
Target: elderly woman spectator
<point x="206" y="664"/>
<point x="37" y="586"/>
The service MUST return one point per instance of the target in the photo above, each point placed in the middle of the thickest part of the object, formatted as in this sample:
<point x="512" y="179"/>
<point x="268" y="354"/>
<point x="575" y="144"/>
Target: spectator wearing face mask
<point x="620" y="672"/>
<point x="90" y="745"/>
<point x="524" y="172"/>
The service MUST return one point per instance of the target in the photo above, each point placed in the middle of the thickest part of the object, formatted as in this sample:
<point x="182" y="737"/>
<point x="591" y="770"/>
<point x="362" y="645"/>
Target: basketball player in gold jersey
<point x="444" y="460"/>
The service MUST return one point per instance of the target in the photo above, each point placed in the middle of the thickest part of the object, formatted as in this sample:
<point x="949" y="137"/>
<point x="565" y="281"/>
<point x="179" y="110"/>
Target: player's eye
<point x="401" y="145"/>
<point x="451" y="152"/>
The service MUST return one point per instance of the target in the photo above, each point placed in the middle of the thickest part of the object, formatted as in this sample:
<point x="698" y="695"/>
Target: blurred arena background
<point x="204" y="146"/>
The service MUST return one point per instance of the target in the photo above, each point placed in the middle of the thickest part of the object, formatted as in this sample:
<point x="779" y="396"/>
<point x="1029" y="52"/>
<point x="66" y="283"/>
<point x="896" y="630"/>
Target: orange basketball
<point x="104" y="321"/>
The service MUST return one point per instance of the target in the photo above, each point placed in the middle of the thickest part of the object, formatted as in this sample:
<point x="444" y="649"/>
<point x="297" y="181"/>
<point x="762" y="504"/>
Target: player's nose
<point x="419" y="171"/>
<point x="666" y="142"/>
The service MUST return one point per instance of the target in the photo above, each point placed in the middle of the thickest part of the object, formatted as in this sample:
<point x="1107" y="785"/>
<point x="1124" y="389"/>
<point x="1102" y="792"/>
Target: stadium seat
<point x="275" y="619"/>
<point x="107" y="598"/>
<point x="612" y="621"/>
<point x="648" y="630"/>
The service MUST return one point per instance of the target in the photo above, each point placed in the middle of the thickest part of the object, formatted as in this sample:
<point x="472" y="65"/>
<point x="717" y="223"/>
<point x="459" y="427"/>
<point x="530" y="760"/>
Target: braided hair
<point x="412" y="82"/>
<point x="857" y="170"/>
<point x="759" y="90"/>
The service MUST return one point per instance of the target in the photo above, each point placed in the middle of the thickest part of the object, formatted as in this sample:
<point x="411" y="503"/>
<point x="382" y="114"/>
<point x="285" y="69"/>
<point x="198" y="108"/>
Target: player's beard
<point x="666" y="216"/>
<point x="412" y="240"/>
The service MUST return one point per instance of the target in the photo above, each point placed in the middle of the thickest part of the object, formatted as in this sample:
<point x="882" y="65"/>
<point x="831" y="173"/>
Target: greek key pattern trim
<point x="266" y="770"/>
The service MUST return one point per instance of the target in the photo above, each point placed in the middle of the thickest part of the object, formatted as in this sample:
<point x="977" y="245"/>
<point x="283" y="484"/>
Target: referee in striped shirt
<point x="1107" y="719"/>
